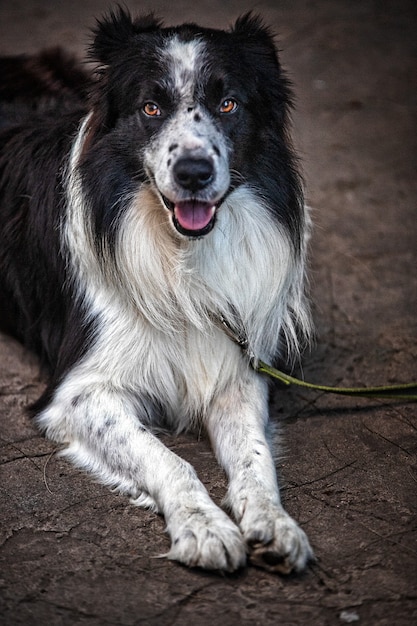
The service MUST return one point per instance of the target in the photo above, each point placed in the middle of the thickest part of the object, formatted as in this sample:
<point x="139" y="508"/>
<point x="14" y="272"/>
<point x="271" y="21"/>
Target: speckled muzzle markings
<point x="189" y="160"/>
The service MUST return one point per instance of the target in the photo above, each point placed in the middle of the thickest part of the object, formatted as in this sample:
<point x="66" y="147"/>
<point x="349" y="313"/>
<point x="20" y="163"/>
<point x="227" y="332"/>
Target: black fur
<point x="43" y="100"/>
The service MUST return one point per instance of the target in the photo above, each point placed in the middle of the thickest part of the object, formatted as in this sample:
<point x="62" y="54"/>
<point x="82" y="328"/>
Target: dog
<point x="149" y="211"/>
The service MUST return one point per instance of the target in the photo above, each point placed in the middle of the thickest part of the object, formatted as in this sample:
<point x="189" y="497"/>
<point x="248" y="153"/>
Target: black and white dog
<point x="141" y="209"/>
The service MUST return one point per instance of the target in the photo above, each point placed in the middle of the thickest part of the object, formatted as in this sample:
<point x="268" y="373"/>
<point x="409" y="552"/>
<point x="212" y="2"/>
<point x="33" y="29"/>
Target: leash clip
<point x="239" y="338"/>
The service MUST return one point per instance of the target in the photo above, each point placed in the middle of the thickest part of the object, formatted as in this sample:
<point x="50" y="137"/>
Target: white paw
<point x="208" y="539"/>
<point x="275" y="541"/>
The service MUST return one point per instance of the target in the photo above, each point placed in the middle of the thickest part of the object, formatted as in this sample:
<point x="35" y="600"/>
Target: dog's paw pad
<point x="269" y="557"/>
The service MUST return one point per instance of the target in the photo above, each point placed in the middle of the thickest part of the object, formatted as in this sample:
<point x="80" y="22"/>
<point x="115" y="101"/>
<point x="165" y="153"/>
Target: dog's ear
<point x="251" y="28"/>
<point x="257" y="42"/>
<point x="260" y="56"/>
<point x="115" y="32"/>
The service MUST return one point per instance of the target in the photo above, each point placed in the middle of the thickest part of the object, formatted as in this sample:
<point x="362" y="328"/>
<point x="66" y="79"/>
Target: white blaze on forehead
<point x="185" y="60"/>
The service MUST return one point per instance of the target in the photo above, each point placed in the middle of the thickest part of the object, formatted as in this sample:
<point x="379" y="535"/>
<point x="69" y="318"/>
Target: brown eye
<point x="151" y="109"/>
<point x="228" y="106"/>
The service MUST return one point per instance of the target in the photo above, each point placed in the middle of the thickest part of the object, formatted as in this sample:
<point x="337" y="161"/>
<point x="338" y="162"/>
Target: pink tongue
<point x="193" y="215"/>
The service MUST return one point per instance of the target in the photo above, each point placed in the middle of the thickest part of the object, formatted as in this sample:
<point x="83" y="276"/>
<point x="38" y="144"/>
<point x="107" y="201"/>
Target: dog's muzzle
<point x="193" y="217"/>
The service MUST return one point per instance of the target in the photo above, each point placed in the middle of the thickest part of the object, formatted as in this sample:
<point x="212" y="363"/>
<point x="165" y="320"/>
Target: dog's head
<point x="194" y="111"/>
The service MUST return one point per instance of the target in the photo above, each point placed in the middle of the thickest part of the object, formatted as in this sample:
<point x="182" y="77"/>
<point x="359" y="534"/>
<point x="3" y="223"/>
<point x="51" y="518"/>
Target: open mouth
<point x="192" y="218"/>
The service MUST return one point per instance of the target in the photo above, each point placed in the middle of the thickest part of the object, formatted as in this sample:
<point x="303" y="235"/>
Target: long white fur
<point x="158" y="353"/>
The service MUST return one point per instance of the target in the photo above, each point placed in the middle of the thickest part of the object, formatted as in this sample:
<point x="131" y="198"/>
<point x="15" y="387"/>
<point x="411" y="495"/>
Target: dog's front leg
<point x="102" y="428"/>
<point x="236" y="425"/>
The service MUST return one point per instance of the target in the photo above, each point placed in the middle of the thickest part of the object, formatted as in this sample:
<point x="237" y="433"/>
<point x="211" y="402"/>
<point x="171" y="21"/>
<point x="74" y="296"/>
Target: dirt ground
<point x="72" y="552"/>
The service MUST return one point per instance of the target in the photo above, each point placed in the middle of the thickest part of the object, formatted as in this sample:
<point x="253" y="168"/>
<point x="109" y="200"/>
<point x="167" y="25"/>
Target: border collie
<point x="141" y="208"/>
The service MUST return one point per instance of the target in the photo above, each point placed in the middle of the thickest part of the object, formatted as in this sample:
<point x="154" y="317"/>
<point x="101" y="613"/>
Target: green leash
<point x="406" y="391"/>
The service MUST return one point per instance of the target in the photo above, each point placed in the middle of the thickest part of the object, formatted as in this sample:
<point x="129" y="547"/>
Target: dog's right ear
<point x="115" y="31"/>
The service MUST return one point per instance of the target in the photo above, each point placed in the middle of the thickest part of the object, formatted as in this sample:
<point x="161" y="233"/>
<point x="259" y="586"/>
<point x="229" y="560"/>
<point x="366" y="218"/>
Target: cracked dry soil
<point x="71" y="552"/>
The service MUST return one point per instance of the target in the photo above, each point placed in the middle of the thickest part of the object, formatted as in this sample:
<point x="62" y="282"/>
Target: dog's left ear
<point x="260" y="54"/>
<point x="115" y="32"/>
<point x="258" y="46"/>
<point x="251" y="28"/>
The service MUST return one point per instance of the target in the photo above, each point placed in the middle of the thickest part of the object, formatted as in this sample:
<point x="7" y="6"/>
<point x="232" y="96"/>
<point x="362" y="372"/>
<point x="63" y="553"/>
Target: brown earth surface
<point x="72" y="552"/>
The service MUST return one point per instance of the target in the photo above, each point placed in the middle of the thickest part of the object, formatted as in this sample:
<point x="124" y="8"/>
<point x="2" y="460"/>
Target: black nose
<point x="193" y="174"/>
